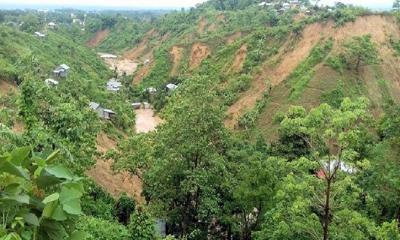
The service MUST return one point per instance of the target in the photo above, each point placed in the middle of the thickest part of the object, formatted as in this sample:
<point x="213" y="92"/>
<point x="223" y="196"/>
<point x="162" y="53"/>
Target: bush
<point x="98" y="229"/>
<point x="124" y="207"/>
<point x="141" y="226"/>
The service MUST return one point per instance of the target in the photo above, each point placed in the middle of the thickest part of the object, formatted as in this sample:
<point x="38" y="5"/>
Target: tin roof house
<point x="171" y="87"/>
<point x="61" y="71"/>
<point x="39" y="34"/>
<point x="114" y="85"/>
<point x="51" y="82"/>
<point x="102" y="112"/>
<point x="51" y="25"/>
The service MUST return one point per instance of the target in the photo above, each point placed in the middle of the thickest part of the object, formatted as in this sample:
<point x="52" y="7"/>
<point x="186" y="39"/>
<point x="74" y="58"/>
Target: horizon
<point x="155" y="5"/>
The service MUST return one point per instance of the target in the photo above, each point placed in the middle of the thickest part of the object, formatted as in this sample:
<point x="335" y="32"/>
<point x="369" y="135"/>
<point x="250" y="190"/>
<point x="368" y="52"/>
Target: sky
<point x="377" y="4"/>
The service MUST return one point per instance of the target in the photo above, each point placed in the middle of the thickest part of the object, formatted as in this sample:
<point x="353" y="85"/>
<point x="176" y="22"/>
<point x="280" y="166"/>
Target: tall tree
<point x="185" y="168"/>
<point x="360" y="50"/>
<point x="314" y="206"/>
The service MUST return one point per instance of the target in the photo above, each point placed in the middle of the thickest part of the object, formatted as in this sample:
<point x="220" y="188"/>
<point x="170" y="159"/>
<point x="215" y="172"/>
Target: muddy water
<point x="146" y="120"/>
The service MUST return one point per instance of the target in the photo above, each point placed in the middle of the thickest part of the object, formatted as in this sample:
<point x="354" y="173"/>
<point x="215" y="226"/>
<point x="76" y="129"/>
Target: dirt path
<point x="199" y="53"/>
<point x="176" y="55"/>
<point x="113" y="182"/>
<point x="146" y="120"/>
<point x="232" y="38"/>
<point x="98" y="38"/>
<point x="7" y="87"/>
<point x="240" y="57"/>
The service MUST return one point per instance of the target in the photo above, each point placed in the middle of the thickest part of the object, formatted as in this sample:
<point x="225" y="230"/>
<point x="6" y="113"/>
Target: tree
<point x="360" y="50"/>
<point x="313" y="206"/>
<point x="186" y="166"/>
<point x="396" y="5"/>
<point x="38" y="199"/>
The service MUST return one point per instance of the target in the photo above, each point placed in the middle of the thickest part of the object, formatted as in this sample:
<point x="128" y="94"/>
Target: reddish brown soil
<point x="6" y="87"/>
<point x="176" y="56"/>
<point x="98" y="38"/>
<point x="240" y="57"/>
<point x="380" y="27"/>
<point x="115" y="183"/>
<point x="199" y="53"/>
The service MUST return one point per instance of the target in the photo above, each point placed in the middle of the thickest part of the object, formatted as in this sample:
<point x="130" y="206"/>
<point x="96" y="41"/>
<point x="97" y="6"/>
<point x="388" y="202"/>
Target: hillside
<point x="254" y="63"/>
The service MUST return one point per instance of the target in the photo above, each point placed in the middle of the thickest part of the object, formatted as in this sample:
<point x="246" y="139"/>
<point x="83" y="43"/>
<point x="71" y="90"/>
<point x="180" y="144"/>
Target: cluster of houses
<point x="58" y="73"/>
<point x="283" y="6"/>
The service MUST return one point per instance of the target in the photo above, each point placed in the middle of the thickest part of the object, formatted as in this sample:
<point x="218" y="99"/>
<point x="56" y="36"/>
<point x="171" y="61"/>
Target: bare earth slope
<point x="379" y="27"/>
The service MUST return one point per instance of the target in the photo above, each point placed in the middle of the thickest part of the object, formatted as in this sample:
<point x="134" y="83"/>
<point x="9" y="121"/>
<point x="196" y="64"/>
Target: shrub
<point x="98" y="229"/>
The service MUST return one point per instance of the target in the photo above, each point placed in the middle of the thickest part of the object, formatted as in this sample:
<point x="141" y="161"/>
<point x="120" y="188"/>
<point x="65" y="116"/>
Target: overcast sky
<point x="162" y="3"/>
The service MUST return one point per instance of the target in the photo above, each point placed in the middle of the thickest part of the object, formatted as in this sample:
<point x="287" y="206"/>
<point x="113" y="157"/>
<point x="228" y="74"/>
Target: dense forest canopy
<point x="234" y="119"/>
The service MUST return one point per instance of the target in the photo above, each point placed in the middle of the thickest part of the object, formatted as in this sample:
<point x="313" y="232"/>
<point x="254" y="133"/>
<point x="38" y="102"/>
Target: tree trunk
<point x="327" y="210"/>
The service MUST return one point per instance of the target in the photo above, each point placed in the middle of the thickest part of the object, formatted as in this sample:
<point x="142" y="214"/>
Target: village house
<point x="171" y="87"/>
<point x="151" y="90"/>
<point x="51" y="82"/>
<point x="51" y="25"/>
<point x="61" y="71"/>
<point x="146" y="105"/>
<point x="78" y="21"/>
<point x="39" y="34"/>
<point x="266" y="4"/>
<point x="107" y="56"/>
<point x="102" y="112"/>
<point x="114" y="85"/>
<point x="136" y="105"/>
<point x="334" y="164"/>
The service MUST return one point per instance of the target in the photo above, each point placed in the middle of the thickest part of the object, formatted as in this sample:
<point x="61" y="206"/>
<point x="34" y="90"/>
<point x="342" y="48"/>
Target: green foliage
<point x="97" y="203"/>
<point x="249" y="119"/>
<point x="337" y="62"/>
<point x="299" y="79"/>
<point x="141" y="226"/>
<point x="334" y="97"/>
<point x="98" y="229"/>
<point x="344" y="14"/>
<point x="360" y="50"/>
<point x="315" y="207"/>
<point x="124" y="207"/>
<point x="39" y="198"/>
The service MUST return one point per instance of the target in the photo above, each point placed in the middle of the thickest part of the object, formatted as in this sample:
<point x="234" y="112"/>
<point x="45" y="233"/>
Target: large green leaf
<point x="73" y="207"/>
<point x="32" y="219"/>
<point x="21" y="198"/>
<point x="51" y="198"/>
<point x="20" y="156"/>
<point x="52" y="156"/>
<point x="78" y="235"/>
<point x="59" y="214"/>
<point x="49" y="209"/>
<point x="60" y="172"/>
<point x="70" y="198"/>
<point x="51" y="230"/>
<point x="46" y="180"/>
<point x="8" y="167"/>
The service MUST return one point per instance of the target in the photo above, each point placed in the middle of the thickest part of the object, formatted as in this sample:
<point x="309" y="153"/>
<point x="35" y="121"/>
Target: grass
<point x="299" y="79"/>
